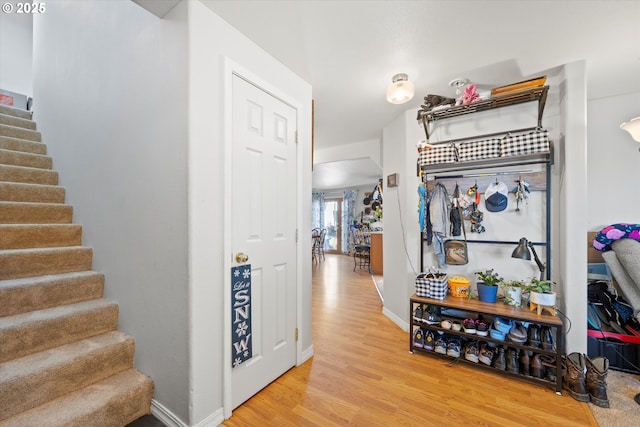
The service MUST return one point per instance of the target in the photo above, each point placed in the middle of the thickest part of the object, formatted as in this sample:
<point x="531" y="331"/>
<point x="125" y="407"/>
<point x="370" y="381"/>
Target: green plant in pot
<point x="487" y="284"/>
<point x="541" y="292"/>
<point x="512" y="291"/>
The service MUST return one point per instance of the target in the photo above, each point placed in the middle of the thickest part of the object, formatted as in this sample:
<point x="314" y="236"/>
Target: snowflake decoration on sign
<point x="242" y="329"/>
<point x="246" y="353"/>
<point x="236" y="362"/>
<point x="246" y="273"/>
<point x="236" y="273"/>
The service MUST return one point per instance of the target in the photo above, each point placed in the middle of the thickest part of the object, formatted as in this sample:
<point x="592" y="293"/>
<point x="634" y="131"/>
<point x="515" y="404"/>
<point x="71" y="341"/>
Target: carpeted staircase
<point x="62" y="360"/>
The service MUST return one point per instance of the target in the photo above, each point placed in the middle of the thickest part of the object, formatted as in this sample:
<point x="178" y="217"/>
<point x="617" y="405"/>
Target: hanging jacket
<point x="438" y="220"/>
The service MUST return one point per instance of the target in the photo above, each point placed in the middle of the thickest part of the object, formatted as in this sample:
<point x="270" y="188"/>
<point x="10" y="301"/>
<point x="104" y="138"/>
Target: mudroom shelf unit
<point x="453" y="173"/>
<point x="473" y="308"/>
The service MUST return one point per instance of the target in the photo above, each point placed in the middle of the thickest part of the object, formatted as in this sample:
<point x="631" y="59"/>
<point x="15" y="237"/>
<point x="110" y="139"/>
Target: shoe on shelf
<point x="445" y="324"/>
<point x="456" y="325"/>
<point x="453" y="347"/>
<point x="432" y="315"/>
<point x="471" y="351"/>
<point x="418" y="338"/>
<point x="546" y="338"/>
<point x="441" y="344"/>
<point x="417" y="313"/>
<point x="513" y="364"/>
<point x="428" y="340"/>
<point x="482" y="328"/>
<point x="518" y="334"/>
<point x="469" y="326"/>
<point x="500" y="361"/>
<point x="486" y="354"/>
<point x="533" y="334"/>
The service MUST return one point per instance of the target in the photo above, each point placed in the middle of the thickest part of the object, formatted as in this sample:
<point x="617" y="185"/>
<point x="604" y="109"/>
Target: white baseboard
<point x="169" y="419"/>
<point x="306" y="355"/>
<point x="395" y="319"/>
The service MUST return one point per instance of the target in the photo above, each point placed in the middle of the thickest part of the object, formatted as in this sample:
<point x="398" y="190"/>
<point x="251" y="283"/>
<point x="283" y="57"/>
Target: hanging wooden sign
<point x="242" y="349"/>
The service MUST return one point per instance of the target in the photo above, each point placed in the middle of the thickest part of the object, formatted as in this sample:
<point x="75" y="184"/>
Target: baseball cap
<point x="495" y="198"/>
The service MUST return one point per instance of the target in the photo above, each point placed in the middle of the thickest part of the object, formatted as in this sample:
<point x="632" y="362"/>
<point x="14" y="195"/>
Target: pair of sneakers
<point x="430" y="315"/>
<point x="486" y="354"/>
<point x="471" y="351"/>
<point x="423" y="339"/>
<point x="478" y="327"/>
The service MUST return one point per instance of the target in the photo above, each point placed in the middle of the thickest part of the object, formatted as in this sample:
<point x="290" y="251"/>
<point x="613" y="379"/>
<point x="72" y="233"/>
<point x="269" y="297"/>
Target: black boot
<point x="537" y="370"/>
<point x="500" y="361"/>
<point x="547" y="338"/>
<point x="533" y="333"/>
<point x="597" y="370"/>
<point x="512" y="361"/>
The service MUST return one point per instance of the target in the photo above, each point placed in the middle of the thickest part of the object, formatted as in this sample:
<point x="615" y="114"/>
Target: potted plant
<point x="487" y="284"/>
<point x="541" y="292"/>
<point x="513" y="292"/>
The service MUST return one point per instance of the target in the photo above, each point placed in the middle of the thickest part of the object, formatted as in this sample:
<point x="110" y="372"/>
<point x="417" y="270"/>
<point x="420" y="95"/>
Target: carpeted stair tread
<point x="17" y="263"/>
<point x="7" y="119"/>
<point x="27" y="159"/>
<point x="16" y="112"/>
<point x="28" y="333"/>
<point x="24" y="236"/>
<point x="35" y="213"/>
<point x="28" y="175"/>
<point x="33" y="380"/>
<point x="17" y="144"/>
<point x="113" y="402"/>
<point x="37" y="293"/>
<point x="34" y="193"/>
<point x="18" y="132"/>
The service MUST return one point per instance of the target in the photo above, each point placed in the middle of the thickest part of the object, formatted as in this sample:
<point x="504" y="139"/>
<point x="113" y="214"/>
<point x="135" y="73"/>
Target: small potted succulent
<point x="487" y="284"/>
<point x="513" y="292"/>
<point x="541" y="292"/>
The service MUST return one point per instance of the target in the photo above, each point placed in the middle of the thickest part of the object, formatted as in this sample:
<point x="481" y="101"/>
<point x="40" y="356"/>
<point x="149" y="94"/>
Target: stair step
<point x="34" y="380"/>
<point x="35" y="213"/>
<point x="37" y="293"/>
<point x="16" y="112"/>
<point x="24" y="236"/>
<point x="36" y="193"/>
<point x="7" y="119"/>
<point x="28" y="175"/>
<point x="113" y="402"/>
<point x="19" y="158"/>
<point x="29" y="333"/>
<point x="17" y="144"/>
<point x="18" y="263"/>
<point x="17" y="132"/>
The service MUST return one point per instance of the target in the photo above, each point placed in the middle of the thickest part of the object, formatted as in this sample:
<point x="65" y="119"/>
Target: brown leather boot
<point x="525" y="361"/>
<point x="573" y="379"/>
<point x="537" y="370"/>
<point x="512" y="361"/>
<point x="597" y="370"/>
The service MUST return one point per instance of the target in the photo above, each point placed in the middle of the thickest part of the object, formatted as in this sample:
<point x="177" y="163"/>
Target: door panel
<point x="264" y="227"/>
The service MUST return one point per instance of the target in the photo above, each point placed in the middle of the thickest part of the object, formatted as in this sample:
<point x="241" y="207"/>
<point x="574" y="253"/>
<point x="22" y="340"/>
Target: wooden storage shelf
<point x="472" y="308"/>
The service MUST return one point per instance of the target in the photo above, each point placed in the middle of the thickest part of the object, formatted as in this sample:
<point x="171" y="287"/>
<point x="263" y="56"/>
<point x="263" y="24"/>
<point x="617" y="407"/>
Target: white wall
<point x="613" y="164"/>
<point x="16" y="47"/>
<point x="110" y="83"/>
<point x="211" y="42"/>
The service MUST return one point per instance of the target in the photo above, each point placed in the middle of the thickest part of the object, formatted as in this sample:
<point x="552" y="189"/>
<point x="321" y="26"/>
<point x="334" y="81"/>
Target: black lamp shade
<point x="522" y="250"/>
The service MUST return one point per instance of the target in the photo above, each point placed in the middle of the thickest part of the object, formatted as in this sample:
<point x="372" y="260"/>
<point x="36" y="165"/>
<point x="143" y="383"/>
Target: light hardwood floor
<point x="362" y="374"/>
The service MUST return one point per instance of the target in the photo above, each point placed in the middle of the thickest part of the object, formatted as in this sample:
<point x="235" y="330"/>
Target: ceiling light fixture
<point x="401" y="90"/>
<point x="633" y="127"/>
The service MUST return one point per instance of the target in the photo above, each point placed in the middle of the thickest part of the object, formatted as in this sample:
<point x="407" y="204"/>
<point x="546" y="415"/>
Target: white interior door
<point x="264" y="228"/>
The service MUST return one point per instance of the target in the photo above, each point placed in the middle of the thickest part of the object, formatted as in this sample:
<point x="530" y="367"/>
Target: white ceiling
<point x="350" y="49"/>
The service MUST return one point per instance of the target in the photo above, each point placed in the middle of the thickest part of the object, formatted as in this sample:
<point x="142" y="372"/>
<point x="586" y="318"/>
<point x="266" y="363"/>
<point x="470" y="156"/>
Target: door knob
<point x="242" y="257"/>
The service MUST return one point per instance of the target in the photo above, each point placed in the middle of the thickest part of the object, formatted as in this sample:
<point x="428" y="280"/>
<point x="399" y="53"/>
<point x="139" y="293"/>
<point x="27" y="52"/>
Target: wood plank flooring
<point x="362" y="374"/>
